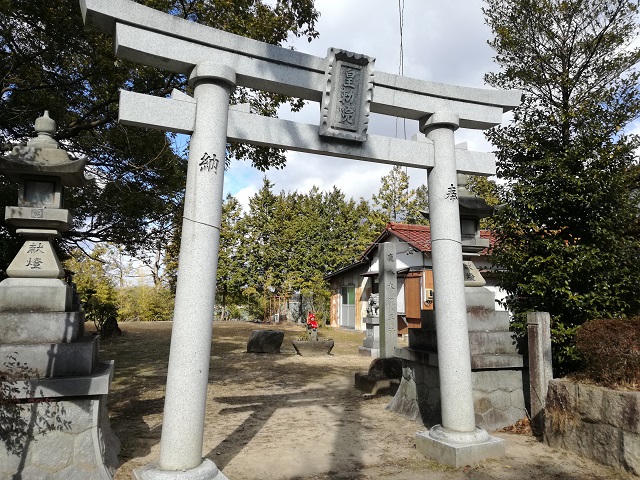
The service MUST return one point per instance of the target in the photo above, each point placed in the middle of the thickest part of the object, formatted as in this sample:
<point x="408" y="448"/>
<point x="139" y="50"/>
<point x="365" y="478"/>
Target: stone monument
<point x="45" y="356"/>
<point x="214" y="62"/>
<point x="388" y="299"/>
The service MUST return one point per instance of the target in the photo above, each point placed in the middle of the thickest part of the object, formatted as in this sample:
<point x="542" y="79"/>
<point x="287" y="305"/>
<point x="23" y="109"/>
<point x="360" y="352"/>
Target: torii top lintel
<point x="150" y="37"/>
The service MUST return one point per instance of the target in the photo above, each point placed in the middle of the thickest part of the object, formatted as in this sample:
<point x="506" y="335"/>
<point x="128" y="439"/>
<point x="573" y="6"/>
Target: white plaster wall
<point x="499" y="293"/>
<point x="400" y="300"/>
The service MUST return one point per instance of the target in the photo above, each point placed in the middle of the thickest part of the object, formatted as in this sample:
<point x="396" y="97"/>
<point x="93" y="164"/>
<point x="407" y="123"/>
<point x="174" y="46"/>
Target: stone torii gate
<point x="348" y="89"/>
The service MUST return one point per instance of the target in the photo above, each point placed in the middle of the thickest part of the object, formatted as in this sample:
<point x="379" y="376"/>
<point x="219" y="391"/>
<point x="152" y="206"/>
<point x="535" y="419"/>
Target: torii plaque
<point x="215" y="61"/>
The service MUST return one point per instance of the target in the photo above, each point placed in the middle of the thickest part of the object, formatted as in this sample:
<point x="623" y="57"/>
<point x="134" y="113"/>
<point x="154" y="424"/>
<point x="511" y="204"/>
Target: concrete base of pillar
<point x="207" y="470"/>
<point x="451" y="448"/>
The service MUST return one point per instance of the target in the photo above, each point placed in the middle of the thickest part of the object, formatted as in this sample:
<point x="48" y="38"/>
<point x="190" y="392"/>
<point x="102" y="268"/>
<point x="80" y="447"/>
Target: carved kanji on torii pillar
<point x="348" y="88"/>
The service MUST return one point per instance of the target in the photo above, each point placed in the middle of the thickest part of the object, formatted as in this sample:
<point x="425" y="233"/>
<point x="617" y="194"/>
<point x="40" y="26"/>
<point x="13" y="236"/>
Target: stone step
<point x="478" y="318"/>
<point x="496" y="362"/>
<point x="482" y="320"/>
<point x="483" y="343"/>
<point x="479" y="297"/>
<point x="478" y="362"/>
<point x="41" y="327"/>
<point x="52" y="359"/>
<point x="95" y="384"/>
<point x="480" y="343"/>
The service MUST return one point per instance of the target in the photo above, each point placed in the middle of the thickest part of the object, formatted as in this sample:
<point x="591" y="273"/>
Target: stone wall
<point x="594" y="422"/>
<point x="498" y="376"/>
<point x="498" y="396"/>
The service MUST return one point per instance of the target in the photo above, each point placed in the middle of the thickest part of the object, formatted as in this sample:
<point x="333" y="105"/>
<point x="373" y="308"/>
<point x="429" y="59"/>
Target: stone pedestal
<point x="496" y="368"/>
<point x="63" y="431"/>
<point x="35" y="295"/>
<point x="57" y="426"/>
<point x="371" y="343"/>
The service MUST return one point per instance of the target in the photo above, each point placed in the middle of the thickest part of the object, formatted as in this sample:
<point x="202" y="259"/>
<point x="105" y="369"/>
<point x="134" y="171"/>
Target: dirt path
<point x="291" y="417"/>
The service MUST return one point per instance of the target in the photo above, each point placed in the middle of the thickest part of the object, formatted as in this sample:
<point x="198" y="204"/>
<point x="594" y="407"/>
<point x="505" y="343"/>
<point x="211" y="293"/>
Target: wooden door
<point x="412" y="299"/>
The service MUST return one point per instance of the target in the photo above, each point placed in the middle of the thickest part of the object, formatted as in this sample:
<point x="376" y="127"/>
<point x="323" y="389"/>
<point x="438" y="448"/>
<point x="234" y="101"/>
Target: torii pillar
<point x="457" y="441"/>
<point x="188" y="374"/>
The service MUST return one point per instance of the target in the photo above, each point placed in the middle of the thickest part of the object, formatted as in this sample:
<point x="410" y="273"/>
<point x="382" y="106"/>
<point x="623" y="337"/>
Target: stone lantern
<point x="42" y="328"/>
<point x="42" y="170"/>
<point x="472" y="210"/>
<point x="494" y="360"/>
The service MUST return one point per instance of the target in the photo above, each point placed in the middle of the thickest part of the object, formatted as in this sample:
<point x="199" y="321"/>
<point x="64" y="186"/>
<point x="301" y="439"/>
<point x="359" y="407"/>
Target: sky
<point x="443" y="41"/>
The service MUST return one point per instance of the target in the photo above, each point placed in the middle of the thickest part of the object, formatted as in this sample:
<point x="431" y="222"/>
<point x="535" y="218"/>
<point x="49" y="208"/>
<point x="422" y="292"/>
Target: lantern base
<point x="35" y="295"/>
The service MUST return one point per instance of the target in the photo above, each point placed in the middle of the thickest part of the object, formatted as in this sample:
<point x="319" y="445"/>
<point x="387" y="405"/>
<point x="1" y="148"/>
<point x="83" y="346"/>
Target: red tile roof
<point x="418" y="236"/>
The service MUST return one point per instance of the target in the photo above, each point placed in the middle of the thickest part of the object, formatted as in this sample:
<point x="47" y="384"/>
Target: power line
<point x="401" y="60"/>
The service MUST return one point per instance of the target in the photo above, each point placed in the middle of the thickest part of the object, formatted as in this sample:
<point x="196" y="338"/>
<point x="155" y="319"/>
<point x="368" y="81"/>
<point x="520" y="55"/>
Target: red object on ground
<point x="311" y="321"/>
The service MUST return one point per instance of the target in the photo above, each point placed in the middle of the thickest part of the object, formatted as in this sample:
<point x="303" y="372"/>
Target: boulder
<point x="265" y="341"/>
<point x="383" y="377"/>
<point x="385" y="368"/>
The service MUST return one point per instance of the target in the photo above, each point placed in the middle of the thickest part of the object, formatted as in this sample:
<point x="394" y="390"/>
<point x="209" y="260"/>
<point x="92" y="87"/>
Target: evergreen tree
<point x="419" y="204"/>
<point x="51" y="61"/>
<point x="394" y="196"/>
<point x="568" y="234"/>
<point x="260" y="239"/>
<point x="288" y="242"/>
<point x="231" y="269"/>
<point x="396" y="202"/>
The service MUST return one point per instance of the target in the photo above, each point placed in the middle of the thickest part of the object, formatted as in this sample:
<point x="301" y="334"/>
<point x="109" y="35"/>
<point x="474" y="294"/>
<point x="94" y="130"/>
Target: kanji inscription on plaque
<point x="345" y="105"/>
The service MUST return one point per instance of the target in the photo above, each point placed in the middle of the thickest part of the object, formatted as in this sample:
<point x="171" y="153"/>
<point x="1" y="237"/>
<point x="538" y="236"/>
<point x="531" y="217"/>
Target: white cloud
<point x="244" y="194"/>
<point x="442" y="41"/>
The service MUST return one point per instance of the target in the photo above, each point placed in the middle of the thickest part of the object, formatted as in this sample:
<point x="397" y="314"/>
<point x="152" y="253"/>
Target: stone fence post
<point x="540" y="366"/>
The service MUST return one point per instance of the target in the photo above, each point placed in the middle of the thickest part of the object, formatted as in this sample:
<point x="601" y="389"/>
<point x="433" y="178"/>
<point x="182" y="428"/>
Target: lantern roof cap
<point x="469" y="203"/>
<point x="43" y="156"/>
